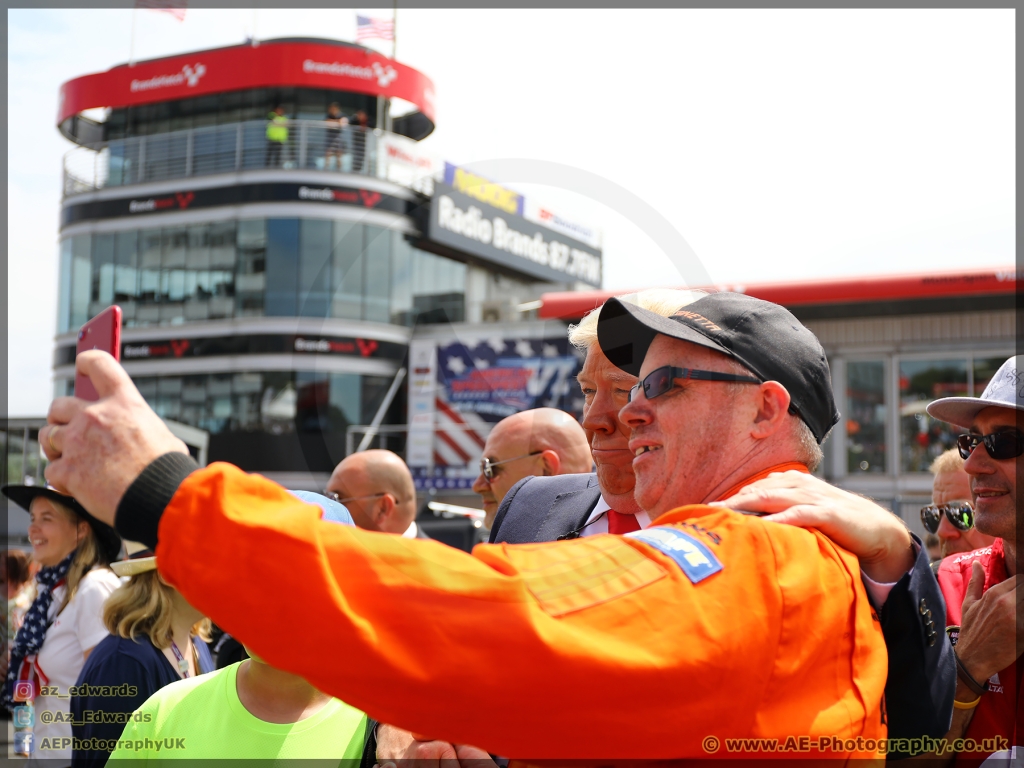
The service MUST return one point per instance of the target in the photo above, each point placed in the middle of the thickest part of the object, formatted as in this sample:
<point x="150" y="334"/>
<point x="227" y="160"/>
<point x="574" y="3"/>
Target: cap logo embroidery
<point x="701" y="320"/>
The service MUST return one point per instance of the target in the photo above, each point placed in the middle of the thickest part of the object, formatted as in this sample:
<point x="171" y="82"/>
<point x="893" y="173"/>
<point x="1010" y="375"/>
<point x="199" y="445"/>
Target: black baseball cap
<point x="764" y="337"/>
<point x="106" y="537"/>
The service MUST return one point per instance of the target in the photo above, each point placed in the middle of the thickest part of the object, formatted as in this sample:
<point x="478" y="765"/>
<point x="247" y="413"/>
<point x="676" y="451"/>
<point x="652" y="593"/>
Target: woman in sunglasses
<point x="951" y="514"/>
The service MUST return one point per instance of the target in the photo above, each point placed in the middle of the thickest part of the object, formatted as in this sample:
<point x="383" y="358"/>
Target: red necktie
<point x="619" y="523"/>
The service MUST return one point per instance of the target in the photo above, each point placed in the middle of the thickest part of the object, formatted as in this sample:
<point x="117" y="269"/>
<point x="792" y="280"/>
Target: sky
<point x="779" y="144"/>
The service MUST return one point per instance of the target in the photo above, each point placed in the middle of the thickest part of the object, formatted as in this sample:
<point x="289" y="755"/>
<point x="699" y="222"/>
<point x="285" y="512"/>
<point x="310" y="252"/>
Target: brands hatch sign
<point x="458" y="221"/>
<point x="189" y="75"/>
<point x="249" y="344"/>
<point x="237" y="194"/>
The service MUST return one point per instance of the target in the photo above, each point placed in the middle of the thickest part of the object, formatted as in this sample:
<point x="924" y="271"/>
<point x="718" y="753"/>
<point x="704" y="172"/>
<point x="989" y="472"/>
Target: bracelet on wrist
<point x="957" y="704"/>
<point x="969" y="681"/>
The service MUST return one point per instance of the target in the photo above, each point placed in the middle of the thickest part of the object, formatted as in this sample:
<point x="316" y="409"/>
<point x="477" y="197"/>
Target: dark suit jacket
<point x="922" y="673"/>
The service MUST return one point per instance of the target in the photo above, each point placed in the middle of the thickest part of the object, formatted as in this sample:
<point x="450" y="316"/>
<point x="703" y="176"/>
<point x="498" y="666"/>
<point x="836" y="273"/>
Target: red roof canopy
<point x="284" y="63"/>
<point x="843" y="290"/>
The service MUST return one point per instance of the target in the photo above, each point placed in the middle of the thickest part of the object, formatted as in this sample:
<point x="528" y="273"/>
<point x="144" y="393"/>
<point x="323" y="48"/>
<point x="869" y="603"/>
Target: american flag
<point x="174" y="7"/>
<point x="367" y="28"/>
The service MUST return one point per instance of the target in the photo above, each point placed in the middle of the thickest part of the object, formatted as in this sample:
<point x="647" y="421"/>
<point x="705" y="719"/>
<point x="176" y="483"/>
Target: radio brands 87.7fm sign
<point x="485" y="219"/>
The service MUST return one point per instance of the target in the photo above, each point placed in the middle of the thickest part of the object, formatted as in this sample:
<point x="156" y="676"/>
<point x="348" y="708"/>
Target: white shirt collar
<point x="410" y="532"/>
<point x="598" y="520"/>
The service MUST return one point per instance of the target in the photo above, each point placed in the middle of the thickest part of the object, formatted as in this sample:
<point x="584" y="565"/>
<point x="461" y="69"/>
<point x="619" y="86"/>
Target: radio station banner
<point x="490" y="232"/>
<point x="459" y="390"/>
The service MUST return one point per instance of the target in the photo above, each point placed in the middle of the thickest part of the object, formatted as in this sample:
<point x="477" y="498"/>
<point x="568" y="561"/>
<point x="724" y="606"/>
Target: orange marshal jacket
<point x="712" y="624"/>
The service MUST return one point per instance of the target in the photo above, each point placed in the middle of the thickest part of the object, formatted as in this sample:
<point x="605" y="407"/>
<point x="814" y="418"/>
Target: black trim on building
<point x="255" y="344"/>
<point x="187" y="199"/>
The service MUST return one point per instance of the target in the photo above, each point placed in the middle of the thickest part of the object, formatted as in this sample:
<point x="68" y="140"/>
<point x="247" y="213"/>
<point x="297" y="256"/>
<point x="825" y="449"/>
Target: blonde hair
<point x="947" y="461"/>
<point x="87" y="555"/>
<point x="144" y="605"/>
<point x="662" y="301"/>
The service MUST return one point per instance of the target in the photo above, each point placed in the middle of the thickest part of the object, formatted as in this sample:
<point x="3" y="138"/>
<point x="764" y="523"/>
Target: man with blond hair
<point x="545" y="509"/>
<point x="950" y="516"/>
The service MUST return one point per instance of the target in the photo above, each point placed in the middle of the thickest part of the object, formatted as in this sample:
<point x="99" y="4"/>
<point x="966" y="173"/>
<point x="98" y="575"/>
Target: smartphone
<point x="102" y="332"/>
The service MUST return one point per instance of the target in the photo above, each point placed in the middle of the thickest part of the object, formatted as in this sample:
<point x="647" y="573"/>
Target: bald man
<point x="378" y="491"/>
<point x="541" y="441"/>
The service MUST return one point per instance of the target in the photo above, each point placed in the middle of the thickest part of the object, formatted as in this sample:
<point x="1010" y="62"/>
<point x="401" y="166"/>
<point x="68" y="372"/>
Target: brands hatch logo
<point x="328" y="195"/>
<point x="181" y="200"/>
<point x="190" y="75"/>
<point x="365" y="347"/>
<point x="175" y="347"/>
<point x="383" y="74"/>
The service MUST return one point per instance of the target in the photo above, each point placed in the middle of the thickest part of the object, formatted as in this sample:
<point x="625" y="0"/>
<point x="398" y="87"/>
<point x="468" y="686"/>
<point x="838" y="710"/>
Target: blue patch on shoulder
<point x="696" y="560"/>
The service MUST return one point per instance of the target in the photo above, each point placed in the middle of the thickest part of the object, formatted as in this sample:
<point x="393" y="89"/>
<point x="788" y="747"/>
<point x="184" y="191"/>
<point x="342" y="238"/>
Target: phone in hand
<point x="102" y="332"/>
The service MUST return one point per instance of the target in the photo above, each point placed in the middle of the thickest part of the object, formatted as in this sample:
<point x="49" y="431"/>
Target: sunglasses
<point x="960" y="515"/>
<point x="1000" y="445"/>
<point x="334" y="496"/>
<point x="661" y="380"/>
<point x="487" y="466"/>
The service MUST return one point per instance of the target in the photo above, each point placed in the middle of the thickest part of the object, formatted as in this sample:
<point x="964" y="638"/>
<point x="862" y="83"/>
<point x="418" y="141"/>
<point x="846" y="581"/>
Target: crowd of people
<point x="671" y="561"/>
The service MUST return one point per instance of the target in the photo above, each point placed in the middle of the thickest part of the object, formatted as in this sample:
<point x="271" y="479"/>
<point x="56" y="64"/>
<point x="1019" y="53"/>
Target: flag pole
<point x="394" y="32"/>
<point x="131" y="50"/>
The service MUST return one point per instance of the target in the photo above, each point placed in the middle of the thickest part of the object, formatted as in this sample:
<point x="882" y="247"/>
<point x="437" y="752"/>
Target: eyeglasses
<point x="1000" y="445"/>
<point x="960" y="515"/>
<point x="661" y="380"/>
<point x="334" y="496"/>
<point x="487" y="465"/>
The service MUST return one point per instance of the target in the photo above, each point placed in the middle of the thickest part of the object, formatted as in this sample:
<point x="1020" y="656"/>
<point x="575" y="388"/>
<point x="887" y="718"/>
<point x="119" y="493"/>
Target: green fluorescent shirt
<point x="201" y="718"/>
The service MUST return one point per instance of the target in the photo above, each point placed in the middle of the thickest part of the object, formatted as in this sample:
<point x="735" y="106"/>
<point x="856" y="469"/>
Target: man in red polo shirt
<point x="981" y="587"/>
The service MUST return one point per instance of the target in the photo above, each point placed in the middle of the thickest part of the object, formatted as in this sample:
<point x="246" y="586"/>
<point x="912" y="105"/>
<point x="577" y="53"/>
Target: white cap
<point x="1006" y="390"/>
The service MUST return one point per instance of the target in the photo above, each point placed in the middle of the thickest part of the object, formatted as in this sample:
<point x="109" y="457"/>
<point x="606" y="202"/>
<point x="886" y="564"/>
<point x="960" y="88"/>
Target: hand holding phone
<point x="102" y="332"/>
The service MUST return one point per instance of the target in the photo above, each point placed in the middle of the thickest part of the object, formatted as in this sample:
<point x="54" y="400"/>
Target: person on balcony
<point x="362" y="125"/>
<point x="335" y="147"/>
<point x="277" y="136"/>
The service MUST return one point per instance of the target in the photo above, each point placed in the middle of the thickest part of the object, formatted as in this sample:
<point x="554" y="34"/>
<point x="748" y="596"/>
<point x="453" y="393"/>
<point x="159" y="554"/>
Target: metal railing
<point x="310" y="145"/>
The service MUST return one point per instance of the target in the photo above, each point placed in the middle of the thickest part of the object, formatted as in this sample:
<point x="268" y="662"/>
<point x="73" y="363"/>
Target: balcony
<point x="234" y="147"/>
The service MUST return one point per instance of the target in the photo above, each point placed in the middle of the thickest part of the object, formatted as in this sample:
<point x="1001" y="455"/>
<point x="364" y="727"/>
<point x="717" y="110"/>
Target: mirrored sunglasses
<point x="959" y="514"/>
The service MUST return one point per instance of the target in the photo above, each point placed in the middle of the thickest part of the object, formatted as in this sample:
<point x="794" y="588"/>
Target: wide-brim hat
<point x="107" y="538"/>
<point x="1005" y="390"/>
<point x="765" y="338"/>
<point x="138" y="558"/>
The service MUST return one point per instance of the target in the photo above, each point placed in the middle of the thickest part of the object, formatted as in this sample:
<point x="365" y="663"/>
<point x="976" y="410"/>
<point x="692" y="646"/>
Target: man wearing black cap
<point x="663" y="643"/>
<point x="921" y="674"/>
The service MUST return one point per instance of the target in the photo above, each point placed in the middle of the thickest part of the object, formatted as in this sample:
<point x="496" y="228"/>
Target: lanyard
<point x="182" y="664"/>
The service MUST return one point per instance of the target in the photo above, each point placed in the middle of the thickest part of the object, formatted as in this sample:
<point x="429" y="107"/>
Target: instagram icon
<point x="24" y="690"/>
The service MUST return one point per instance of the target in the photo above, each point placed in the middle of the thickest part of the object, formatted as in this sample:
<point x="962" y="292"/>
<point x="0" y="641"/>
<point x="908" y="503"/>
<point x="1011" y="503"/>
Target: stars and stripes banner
<point x="174" y="7"/>
<point x="368" y="28"/>
<point x="475" y="385"/>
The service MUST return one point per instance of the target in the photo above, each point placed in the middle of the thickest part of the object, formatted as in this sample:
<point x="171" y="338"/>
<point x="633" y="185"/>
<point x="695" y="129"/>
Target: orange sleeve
<point x="515" y="648"/>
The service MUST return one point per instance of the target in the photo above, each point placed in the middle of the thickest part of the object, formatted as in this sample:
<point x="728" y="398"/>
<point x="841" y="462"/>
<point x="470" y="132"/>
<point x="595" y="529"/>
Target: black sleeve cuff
<point x="142" y="506"/>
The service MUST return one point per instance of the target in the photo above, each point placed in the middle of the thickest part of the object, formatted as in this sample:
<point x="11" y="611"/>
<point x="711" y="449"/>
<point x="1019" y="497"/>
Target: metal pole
<point x="394" y="32"/>
<point x="379" y="417"/>
<point x="131" y="51"/>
